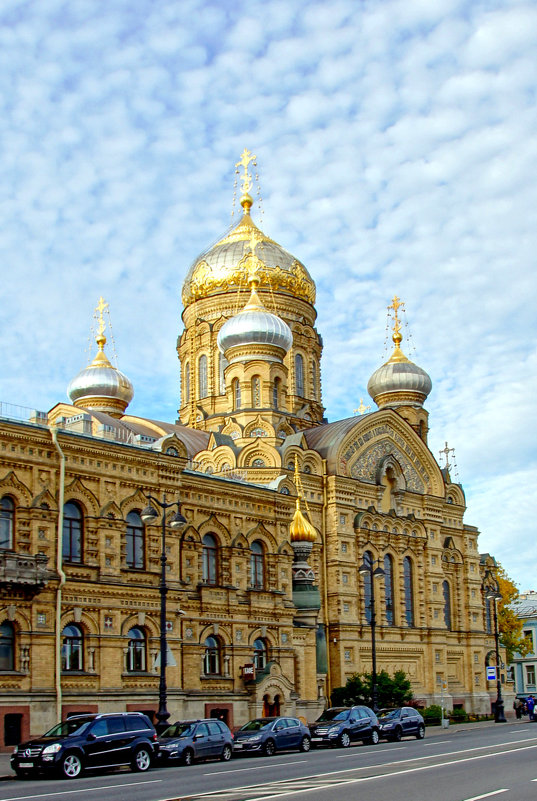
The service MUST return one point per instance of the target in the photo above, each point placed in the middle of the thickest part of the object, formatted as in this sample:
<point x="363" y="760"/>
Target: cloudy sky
<point x="396" y="151"/>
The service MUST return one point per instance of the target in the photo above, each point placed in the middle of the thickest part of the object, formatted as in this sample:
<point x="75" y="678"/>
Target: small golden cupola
<point x="100" y="386"/>
<point x="301" y="529"/>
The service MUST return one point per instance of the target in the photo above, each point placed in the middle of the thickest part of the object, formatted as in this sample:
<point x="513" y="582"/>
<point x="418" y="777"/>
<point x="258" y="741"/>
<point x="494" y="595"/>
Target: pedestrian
<point x="517" y="706"/>
<point x="530" y="703"/>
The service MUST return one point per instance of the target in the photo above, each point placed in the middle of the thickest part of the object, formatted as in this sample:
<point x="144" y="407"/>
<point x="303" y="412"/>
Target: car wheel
<point x="269" y="749"/>
<point x="71" y="766"/>
<point x="420" y="734"/>
<point x="142" y="760"/>
<point x="305" y="743"/>
<point x="344" y="740"/>
<point x="374" y="737"/>
<point x="188" y="756"/>
<point x="396" y="736"/>
<point x="225" y="756"/>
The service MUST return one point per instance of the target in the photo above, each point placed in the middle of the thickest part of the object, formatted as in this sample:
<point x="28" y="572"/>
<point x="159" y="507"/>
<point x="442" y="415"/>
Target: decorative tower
<point x="400" y="384"/>
<point x="306" y="595"/>
<point x="216" y="287"/>
<point x="101" y="387"/>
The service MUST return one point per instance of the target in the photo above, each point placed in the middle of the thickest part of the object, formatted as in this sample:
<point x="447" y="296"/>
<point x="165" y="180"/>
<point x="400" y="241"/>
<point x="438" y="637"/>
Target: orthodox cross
<point x="361" y="408"/>
<point x="246" y="159"/>
<point x="396" y="304"/>
<point x="446" y="451"/>
<point x="102" y="306"/>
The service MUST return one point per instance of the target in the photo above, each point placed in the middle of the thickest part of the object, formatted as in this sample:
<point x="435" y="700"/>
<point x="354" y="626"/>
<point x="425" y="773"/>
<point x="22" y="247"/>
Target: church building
<point x="266" y="608"/>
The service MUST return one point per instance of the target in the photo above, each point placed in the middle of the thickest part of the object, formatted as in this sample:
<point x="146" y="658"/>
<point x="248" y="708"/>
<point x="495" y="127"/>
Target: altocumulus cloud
<point x="396" y="153"/>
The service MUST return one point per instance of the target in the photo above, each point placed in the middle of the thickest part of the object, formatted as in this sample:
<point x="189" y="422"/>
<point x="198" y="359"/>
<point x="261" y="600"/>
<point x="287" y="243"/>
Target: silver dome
<point x="100" y="381"/>
<point x="399" y="376"/>
<point x="255" y="326"/>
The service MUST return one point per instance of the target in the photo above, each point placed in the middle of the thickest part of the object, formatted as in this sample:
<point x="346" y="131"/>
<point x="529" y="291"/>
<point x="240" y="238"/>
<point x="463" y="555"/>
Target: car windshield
<point x="69" y="727"/>
<point x="179" y="730"/>
<point x="389" y="714"/>
<point x="335" y="714"/>
<point x="257" y="724"/>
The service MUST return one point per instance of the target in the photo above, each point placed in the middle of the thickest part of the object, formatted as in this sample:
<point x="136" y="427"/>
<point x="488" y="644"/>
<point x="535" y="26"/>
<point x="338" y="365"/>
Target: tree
<point x="510" y="625"/>
<point x="394" y="691"/>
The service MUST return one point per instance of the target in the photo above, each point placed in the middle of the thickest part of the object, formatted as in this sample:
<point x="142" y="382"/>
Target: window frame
<point x="135" y="536"/>
<point x="209" y="560"/>
<point x="212" y="658"/>
<point x="73" y="527"/>
<point x="136" y="651"/>
<point x="72" y="649"/>
<point x="257" y="566"/>
<point x="7" y="522"/>
<point x="8" y="639"/>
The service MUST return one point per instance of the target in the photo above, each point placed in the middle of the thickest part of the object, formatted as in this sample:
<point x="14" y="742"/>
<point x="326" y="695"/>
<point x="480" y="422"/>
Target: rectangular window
<point x="433" y="560"/>
<point x="530" y="676"/>
<point x="345" y="578"/>
<point x="343" y="547"/>
<point x="345" y="607"/>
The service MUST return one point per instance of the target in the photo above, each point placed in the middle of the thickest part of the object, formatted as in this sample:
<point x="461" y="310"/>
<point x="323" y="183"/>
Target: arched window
<point x="256" y="392"/>
<point x="136" y="651"/>
<point x="313" y="380"/>
<point x="366" y="578"/>
<point x="7" y="646"/>
<point x="187" y="382"/>
<point x="72" y="532"/>
<point x="388" y="588"/>
<point x="212" y="657"/>
<point x="447" y="604"/>
<point x="236" y="389"/>
<point x="210" y="559"/>
<point x="260" y="654"/>
<point x="7" y="522"/>
<point x="409" y="591"/>
<point x="276" y="392"/>
<point x="135" y="541"/>
<point x="202" y="376"/>
<point x="299" y="374"/>
<point x="257" y="566"/>
<point x="222" y="364"/>
<point x="72" y="650"/>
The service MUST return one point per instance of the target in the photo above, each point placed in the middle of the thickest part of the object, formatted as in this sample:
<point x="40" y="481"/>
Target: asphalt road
<point x="468" y="765"/>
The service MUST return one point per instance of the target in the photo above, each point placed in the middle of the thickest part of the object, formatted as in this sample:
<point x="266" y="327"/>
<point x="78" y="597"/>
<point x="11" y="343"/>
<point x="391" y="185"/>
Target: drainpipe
<point x="59" y="556"/>
<point x="325" y="587"/>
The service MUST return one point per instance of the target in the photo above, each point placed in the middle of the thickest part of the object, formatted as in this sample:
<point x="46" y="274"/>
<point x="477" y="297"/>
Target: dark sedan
<point x="268" y="735"/>
<point x="343" y="725"/>
<point x="401" y="722"/>
<point x="191" y="740"/>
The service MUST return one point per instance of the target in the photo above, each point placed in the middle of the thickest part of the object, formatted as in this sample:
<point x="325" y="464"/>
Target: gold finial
<point x="301" y="530"/>
<point x="446" y="451"/>
<point x="396" y="304"/>
<point x="101" y="307"/>
<point x="246" y="159"/>
<point x="361" y="408"/>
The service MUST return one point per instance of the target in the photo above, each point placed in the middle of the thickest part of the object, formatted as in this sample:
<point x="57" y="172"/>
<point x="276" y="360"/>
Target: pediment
<point x="10" y="483"/>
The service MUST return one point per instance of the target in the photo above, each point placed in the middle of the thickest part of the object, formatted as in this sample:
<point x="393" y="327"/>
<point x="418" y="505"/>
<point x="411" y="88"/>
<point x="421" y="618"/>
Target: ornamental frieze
<point x="365" y="467"/>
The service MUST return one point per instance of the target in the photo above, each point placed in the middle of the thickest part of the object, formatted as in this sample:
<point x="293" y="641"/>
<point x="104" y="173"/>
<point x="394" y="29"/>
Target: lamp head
<point x="379" y="572"/>
<point x="178" y="521"/>
<point x="364" y="569"/>
<point x="149" y="514"/>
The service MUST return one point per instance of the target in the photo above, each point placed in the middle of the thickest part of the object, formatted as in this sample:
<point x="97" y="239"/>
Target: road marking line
<point x="257" y="767"/>
<point x="486" y="795"/>
<point x="358" y="753"/>
<point x="84" y="790"/>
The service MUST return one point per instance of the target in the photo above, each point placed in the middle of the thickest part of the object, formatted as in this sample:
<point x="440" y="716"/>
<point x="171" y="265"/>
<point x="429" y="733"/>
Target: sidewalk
<point x="432" y="731"/>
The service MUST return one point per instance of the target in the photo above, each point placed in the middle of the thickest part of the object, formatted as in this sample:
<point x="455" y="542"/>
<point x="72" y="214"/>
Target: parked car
<point x="400" y="722"/>
<point x="189" y="740"/>
<point x="268" y="735"/>
<point x="88" y="742"/>
<point x="342" y="725"/>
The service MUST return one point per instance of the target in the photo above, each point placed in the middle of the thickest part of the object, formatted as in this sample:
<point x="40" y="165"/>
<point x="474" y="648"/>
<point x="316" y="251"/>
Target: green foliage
<point x="509" y="625"/>
<point x="432" y="714"/>
<point x="458" y="716"/>
<point x="391" y="691"/>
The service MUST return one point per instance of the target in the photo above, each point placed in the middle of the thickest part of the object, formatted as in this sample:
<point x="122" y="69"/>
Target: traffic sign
<point x="491" y="673"/>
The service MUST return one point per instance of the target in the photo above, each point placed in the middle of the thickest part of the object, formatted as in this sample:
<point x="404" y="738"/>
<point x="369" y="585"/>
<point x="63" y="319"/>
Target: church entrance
<point x="271" y="706"/>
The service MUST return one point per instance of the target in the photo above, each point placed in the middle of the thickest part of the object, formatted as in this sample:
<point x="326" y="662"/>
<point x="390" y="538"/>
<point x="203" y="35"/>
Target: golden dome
<point x="300" y="529"/>
<point x="227" y="264"/>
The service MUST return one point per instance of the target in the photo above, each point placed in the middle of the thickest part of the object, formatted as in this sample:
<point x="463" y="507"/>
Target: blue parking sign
<point x="491" y="673"/>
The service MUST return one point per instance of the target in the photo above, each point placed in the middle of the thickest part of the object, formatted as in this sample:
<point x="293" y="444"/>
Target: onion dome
<point x="255" y="326"/>
<point x="300" y="529"/>
<point x="224" y="266"/>
<point x="101" y="386"/>
<point x="399" y="382"/>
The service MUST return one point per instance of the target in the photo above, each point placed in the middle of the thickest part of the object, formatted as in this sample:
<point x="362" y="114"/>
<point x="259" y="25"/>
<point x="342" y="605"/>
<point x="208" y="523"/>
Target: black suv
<point x="341" y="725"/>
<point x="188" y="740"/>
<point x="400" y="722"/>
<point x="86" y="742"/>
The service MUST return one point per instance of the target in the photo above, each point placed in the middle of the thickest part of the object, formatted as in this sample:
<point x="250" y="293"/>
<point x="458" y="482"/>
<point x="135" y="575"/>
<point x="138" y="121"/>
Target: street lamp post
<point x="492" y="593"/>
<point x="177" y="522"/>
<point x="368" y="568"/>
